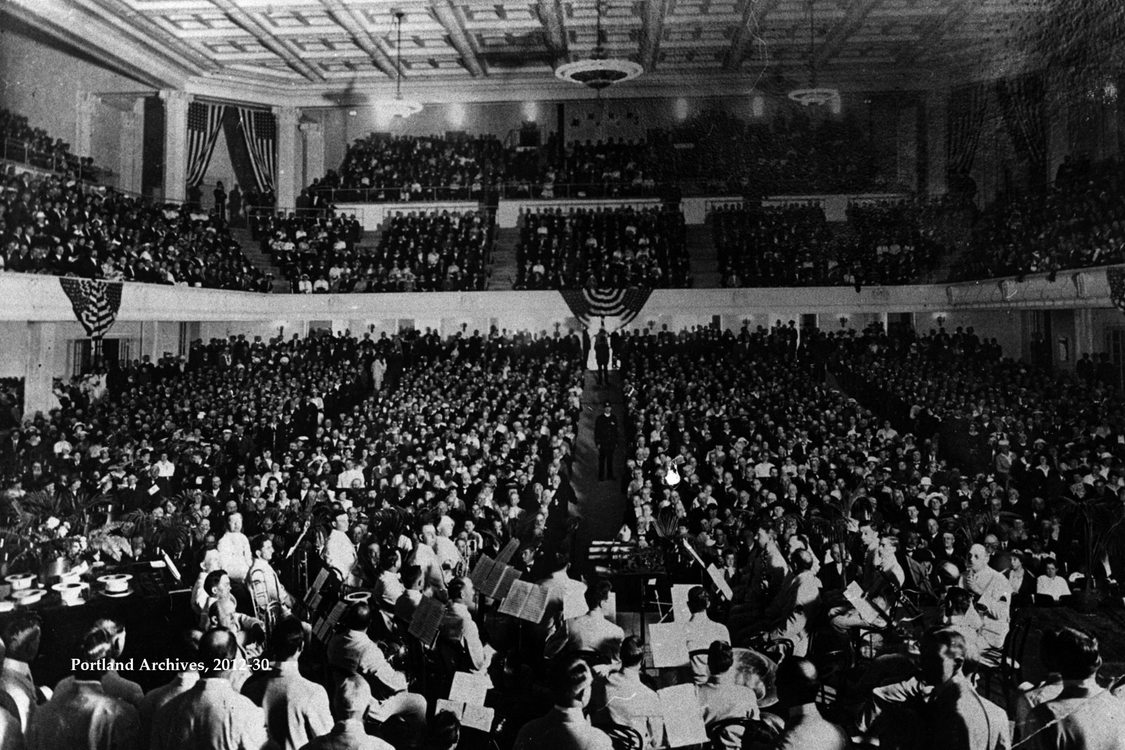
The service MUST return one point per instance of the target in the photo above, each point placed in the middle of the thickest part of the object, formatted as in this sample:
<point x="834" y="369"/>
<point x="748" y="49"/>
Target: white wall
<point x="43" y="83"/>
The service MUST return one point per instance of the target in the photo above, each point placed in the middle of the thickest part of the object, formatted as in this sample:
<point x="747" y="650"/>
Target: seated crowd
<point x="601" y="169"/>
<point x="744" y="458"/>
<point x="773" y="246"/>
<point x="792" y="153"/>
<point x="380" y="168"/>
<point x="317" y="252"/>
<point x="617" y="248"/>
<point x="432" y="252"/>
<point x="395" y="462"/>
<point x="793" y="245"/>
<point x="1077" y="222"/>
<point x="35" y="146"/>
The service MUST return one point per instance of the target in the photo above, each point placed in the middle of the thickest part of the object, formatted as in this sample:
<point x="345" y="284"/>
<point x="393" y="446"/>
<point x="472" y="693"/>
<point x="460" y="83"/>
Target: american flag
<point x="259" y="129"/>
<point x="204" y="121"/>
<point x="95" y="303"/>
<point x="1116" y="278"/>
<point x="622" y="304"/>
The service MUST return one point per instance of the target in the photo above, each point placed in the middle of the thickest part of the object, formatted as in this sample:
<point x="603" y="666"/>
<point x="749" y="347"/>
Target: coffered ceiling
<point x="333" y="49"/>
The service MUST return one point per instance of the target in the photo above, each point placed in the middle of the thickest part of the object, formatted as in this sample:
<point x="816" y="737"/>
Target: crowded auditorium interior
<point x="576" y="374"/>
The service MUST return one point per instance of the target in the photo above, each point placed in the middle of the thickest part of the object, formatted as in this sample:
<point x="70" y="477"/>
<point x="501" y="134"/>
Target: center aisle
<point x="600" y="505"/>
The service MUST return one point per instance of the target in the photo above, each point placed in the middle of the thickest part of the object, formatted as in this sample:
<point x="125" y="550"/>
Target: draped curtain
<point x="967" y="108"/>
<point x="259" y="132"/>
<point x="204" y="122"/>
<point x="239" y="155"/>
<point x="1021" y="104"/>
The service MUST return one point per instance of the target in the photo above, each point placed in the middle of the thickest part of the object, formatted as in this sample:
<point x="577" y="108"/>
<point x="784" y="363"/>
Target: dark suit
<point x="601" y="357"/>
<point x="605" y="438"/>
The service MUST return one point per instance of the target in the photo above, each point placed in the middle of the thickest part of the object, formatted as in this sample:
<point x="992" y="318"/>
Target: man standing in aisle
<point x="605" y="438"/>
<point x="601" y="357"/>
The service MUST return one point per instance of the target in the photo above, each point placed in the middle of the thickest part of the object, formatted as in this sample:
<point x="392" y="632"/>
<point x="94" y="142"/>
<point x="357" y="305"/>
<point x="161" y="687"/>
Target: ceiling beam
<point x="258" y="29"/>
<point x="553" y="18"/>
<point x="652" y="30"/>
<point x="350" y="22"/>
<point x="452" y="19"/>
<point x="147" y="33"/>
<point x="89" y="34"/>
<point x="854" y="17"/>
<point x="754" y="14"/>
<point x="933" y="30"/>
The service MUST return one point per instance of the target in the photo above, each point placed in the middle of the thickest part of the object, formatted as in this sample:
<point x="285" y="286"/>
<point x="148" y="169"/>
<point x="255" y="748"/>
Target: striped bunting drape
<point x="204" y="121"/>
<point x="259" y="129"/>
<point x="622" y="305"/>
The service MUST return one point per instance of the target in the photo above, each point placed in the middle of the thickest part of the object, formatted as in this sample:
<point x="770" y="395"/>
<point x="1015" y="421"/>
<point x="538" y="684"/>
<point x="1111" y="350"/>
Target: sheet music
<point x="480" y="572"/>
<point x="720" y="581"/>
<point x="514" y="602"/>
<point x="314" y="590"/>
<point x="427" y="620"/>
<point x="683" y="717"/>
<point x="492" y="577"/>
<point x="669" y="645"/>
<point x="855" y="596"/>
<point x="506" y="580"/>
<point x="526" y="601"/>
<point x="452" y="707"/>
<point x="679" y="601"/>
<point x="469" y="688"/>
<point x="477" y="717"/>
<point x="510" y="549"/>
<point x="473" y="717"/>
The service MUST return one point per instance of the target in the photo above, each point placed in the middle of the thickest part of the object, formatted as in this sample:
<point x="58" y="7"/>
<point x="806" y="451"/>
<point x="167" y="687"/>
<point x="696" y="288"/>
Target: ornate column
<point x="314" y="150"/>
<point x="86" y="108"/>
<point x="131" y="147"/>
<point x="937" y="111"/>
<point x="175" y="143"/>
<point x="287" y="166"/>
<point x="40" y="370"/>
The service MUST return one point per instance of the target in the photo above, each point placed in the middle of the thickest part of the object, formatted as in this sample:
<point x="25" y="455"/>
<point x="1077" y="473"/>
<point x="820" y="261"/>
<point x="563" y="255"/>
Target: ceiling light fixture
<point x="600" y="71"/>
<point x="815" y="95"/>
<point x="398" y="107"/>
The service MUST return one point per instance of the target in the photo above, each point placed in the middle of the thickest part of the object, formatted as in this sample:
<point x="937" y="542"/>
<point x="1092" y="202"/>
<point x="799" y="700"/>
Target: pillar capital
<point x="286" y="116"/>
<point x="175" y="97"/>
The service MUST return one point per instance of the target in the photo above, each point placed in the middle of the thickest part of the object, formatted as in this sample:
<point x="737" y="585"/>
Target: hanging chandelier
<point x="398" y="107"/>
<point x="815" y="95"/>
<point x="600" y="71"/>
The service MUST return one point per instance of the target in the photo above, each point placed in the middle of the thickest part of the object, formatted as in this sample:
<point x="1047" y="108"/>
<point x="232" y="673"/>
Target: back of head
<point x="570" y="681"/>
<point x="802" y="560"/>
<point x="720" y="657"/>
<point x="96" y="645"/>
<point x="358" y="617"/>
<point x="1077" y="654"/>
<point x="632" y="652"/>
<point x="443" y="732"/>
<point x="598" y="594"/>
<point x="698" y="600"/>
<point x="412" y="576"/>
<point x="798" y="682"/>
<point x="217" y="646"/>
<point x="352" y="698"/>
<point x="212" y="580"/>
<point x="287" y="639"/>
<point x="21" y="635"/>
<point x="456" y="588"/>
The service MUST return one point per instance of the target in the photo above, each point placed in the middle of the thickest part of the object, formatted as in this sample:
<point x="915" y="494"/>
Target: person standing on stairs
<point x="605" y="438"/>
<point x="601" y="357"/>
